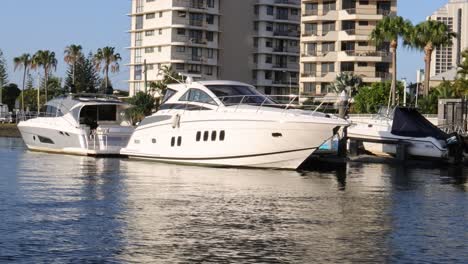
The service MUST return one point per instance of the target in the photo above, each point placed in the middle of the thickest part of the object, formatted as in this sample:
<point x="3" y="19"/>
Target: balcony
<point x="286" y="33"/>
<point x="190" y="4"/>
<point x="361" y="53"/>
<point x="196" y="23"/>
<point x="313" y="12"/>
<point x="288" y="2"/>
<point x="286" y="49"/>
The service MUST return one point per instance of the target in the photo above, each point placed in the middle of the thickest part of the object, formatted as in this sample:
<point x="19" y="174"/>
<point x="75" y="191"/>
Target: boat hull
<point x="245" y="143"/>
<point x="418" y="147"/>
<point x="47" y="138"/>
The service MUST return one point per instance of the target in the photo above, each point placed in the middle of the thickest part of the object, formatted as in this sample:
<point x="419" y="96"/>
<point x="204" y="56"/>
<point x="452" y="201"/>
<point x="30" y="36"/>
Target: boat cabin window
<point x="235" y="94"/>
<point x="91" y="115"/>
<point x="198" y="96"/>
<point x="52" y="111"/>
<point x="169" y="93"/>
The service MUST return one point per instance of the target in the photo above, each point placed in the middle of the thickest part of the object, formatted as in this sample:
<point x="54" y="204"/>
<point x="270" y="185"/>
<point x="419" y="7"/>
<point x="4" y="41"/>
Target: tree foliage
<point x="143" y="105"/>
<point x="388" y="30"/>
<point x="108" y="60"/>
<point x="46" y="60"/>
<point x="463" y="67"/>
<point x="426" y="36"/>
<point x="346" y="82"/>
<point x="86" y="77"/>
<point x="9" y="94"/>
<point x="3" y="70"/>
<point x="169" y="76"/>
<point x="30" y="99"/>
<point x="370" y="98"/>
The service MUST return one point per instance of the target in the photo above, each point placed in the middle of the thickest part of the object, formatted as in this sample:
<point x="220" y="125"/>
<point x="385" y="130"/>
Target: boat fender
<point x="176" y="121"/>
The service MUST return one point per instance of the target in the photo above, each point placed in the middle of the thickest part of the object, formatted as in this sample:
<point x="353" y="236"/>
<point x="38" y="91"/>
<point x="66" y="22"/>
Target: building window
<point x="310" y="88"/>
<point x="138" y="39"/>
<point x="150" y="16"/>
<point x="209" y="36"/>
<point x="181" y="14"/>
<point x="180" y="66"/>
<point x="138" y="72"/>
<point x="267" y="75"/>
<point x="328" y="47"/>
<point x="180" y="49"/>
<point x="209" y="70"/>
<point x="268" y="43"/>
<point x="149" y="50"/>
<point x="160" y="14"/>
<point x="210" y="3"/>
<point x="363" y="23"/>
<point x="209" y="19"/>
<point x="270" y="10"/>
<point x="268" y="59"/>
<point x="294" y="12"/>
<point x="269" y="26"/>
<point x="139" y="22"/>
<point x="138" y="55"/>
<point x="180" y="31"/>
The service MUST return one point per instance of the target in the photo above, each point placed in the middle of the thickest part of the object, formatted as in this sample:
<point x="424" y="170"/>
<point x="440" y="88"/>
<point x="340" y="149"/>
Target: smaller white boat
<point x="79" y="124"/>
<point x="405" y="125"/>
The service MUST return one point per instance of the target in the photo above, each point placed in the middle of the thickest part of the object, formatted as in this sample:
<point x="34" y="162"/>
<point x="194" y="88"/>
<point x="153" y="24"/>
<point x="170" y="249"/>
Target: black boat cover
<point x="408" y="122"/>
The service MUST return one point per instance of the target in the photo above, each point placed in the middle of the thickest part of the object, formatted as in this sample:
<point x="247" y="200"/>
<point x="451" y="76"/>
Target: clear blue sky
<point x="30" y="25"/>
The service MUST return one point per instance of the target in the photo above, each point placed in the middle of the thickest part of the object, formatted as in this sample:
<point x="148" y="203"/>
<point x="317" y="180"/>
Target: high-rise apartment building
<point x="335" y="39"/>
<point x="455" y="15"/>
<point x="253" y="41"/>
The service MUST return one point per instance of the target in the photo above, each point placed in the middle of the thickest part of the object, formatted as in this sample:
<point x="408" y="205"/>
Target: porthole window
<point x="34" y="138"/>
<point x="153" y="140"/>
<point x="179" y="141"/>
<point x="222" y="135"/>
<point x="205" y="136"/>
<point x="172" y="141"/>
<point x="198" y="136"/>
<point x="213" y="135"/>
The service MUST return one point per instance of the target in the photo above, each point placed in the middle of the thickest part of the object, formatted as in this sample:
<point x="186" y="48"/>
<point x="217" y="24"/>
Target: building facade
<point x="253" y="41"/>
<point x="335" y="39"/>
<point x="455" y="15"/>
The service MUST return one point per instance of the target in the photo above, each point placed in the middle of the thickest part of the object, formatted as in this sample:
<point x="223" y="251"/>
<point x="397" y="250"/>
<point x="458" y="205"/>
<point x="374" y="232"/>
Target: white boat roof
<point x="67" y="102"/>
<point x="179" y="86"/>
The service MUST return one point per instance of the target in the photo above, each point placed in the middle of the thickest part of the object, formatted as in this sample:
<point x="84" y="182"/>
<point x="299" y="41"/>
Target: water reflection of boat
<point x="79" y="124"/>
<point x="224" y="123"/>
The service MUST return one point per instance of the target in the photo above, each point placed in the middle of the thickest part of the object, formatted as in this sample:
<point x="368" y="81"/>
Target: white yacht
<point x="226" y="123"/>
<point x="402" y="124"/>
<point x="79" y="124"/>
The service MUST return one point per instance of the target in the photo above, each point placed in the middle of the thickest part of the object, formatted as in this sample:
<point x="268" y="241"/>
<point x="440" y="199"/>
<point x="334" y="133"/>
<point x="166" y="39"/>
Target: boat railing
<point x="285" y="102"/>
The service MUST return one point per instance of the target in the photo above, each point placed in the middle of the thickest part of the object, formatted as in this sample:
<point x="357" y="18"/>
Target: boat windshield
<point x="236" y="94"/>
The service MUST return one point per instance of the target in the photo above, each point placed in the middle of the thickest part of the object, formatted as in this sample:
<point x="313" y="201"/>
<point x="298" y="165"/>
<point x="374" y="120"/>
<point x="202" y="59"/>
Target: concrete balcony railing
<point x="286" y="50"/>
<point x="286" y="33"/>
<point x="190" y="4"/>
<point x="313" y="12"/>
<point x="288" y="2"/>
<point x="369" y="53"/>
<point x="367" y="11"/>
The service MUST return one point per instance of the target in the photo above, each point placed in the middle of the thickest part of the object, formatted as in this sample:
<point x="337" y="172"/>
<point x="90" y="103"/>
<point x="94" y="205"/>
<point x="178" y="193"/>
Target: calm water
<point x="56" y="209"/>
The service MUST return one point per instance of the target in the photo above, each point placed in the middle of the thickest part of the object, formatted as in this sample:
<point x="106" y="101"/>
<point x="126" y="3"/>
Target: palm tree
<point x="427" y="36"/>
<point x="387" y="30"/>
<point x="45" y="59"/>
<point x="463" y="67"/>
<point x="23" y="62"/>
<point x="346" y="81"/>
<point x="72" y="55"/>
<point x="109" y="59"/>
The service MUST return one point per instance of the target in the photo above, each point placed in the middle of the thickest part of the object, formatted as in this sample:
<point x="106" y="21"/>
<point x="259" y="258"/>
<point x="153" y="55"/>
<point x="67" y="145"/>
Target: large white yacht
<point x="79" y="124"/>
<point x="226" y="123"/>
